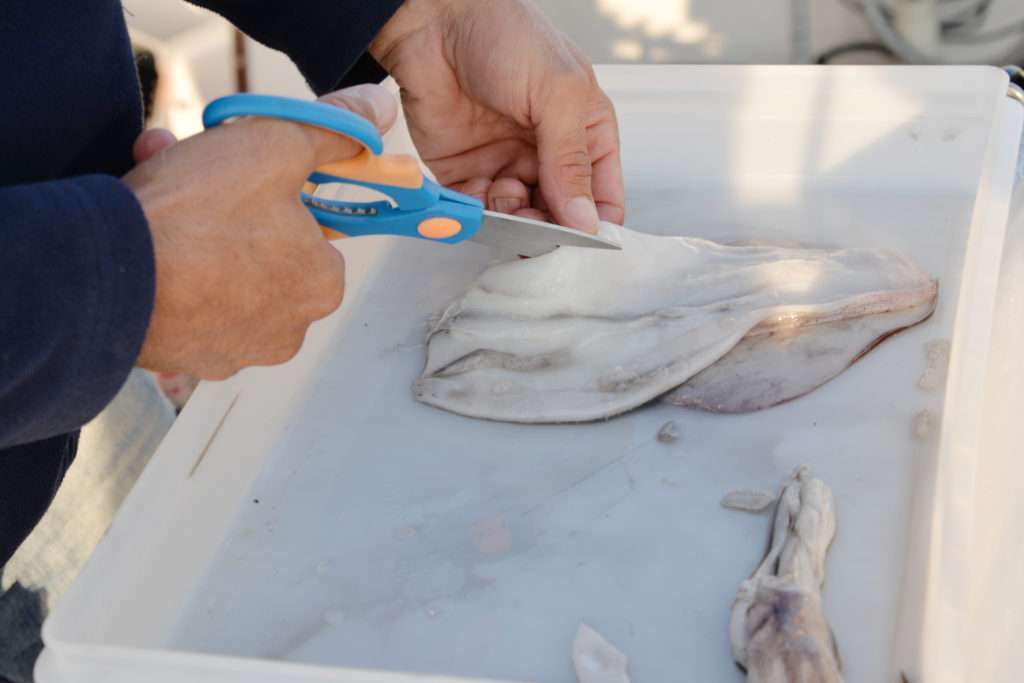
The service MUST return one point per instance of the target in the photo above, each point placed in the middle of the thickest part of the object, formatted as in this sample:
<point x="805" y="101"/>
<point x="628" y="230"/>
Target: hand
<point x="499" y="102"/>
<point x="242" y="269"/>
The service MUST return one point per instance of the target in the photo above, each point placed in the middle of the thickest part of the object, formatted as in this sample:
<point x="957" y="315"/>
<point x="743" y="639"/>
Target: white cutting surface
<point x="391" y="535"/>
<point x="365" y="530"/>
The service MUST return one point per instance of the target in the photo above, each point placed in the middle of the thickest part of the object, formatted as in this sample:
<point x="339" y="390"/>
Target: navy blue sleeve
<point x="31" y="475"/>
<point x="327" y="39"/>
<point x="78" y="281"/>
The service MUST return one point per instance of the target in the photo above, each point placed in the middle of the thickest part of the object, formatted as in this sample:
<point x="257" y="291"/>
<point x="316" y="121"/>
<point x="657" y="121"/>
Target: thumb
<point x="565" y="167"/>
<point x="151" y="142"/>
<point x="373" y="102"/>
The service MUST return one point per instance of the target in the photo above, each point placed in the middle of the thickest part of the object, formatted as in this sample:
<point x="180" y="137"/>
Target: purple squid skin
<point x="775" y="367"/>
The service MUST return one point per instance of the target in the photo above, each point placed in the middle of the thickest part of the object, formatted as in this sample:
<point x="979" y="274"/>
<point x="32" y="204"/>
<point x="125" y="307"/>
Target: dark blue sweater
<point x="76" y="262"/>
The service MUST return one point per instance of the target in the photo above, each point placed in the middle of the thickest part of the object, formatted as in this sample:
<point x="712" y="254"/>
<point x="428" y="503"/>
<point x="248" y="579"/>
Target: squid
<point x="579" y="335"/>
<point x="778" y="629"/>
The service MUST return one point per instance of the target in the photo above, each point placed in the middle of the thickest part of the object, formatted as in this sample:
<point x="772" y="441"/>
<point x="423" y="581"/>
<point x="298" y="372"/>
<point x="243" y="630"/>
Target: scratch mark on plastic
<point x="213" y="436"/>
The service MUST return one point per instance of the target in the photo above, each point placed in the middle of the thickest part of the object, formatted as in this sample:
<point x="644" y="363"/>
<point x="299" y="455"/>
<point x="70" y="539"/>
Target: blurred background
<point x="195" y="56"/>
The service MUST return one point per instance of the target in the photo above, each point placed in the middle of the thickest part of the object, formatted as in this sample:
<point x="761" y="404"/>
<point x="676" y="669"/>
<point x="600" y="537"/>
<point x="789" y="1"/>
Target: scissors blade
<point x="528" y="237"/>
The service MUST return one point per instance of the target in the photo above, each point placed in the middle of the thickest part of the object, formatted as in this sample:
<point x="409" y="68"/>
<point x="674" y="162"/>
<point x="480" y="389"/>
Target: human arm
<point x="77" y="273"/>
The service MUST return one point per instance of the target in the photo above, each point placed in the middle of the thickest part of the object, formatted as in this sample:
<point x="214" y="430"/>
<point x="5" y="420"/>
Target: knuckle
<point x="294" y="344"/>
<point x="286" y="350"/>
<point x="330" y="299"/>
<point x="571" y="72"/>
<point x="573" y="81"/>
<point x="575" y="166"/>
<point x="220" y="372"/>
<point x="448" y="173"/>
<point x="328" y="290"/>
<point x="276" y="356"/>
<point x="564" y="84"/>
<point x="284" y="354"/>
<point x="574" y="157"/>
<point x="320" y="301"/>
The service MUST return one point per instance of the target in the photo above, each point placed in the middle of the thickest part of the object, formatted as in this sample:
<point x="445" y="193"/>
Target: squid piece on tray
<point x="584" y="334"/>
<point x="778" y="628"/>
<point x="596" y="660"/>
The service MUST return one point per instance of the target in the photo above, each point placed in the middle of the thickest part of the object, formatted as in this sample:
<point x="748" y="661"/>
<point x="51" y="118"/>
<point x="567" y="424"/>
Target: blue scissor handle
<point x="301" y="111"/>
<point x="418" y="207"/>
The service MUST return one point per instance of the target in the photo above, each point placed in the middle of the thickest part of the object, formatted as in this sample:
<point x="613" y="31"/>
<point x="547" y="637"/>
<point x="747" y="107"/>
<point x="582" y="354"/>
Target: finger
<point x="565" y="168"/>
<point x="525" y="168"/>
<point x="372" y="102"/>
<point x="508" y="195"/>
<point x="509" y="157"/>
<point x="475" y="187"/>
<point x="537" y="201"/>
<point x="324" y="272"/>
<point x="533" y="214"/>
<point x="321" y="269"/>
<point x="609" y="193"/>
<point x="151" y="142"/>
<point x="279" y="355"/>
<point x="330" y="283"/>
<point x="218" y="373"/>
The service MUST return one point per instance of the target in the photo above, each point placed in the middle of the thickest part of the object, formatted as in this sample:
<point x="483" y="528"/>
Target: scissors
<point x="415" y="205"/>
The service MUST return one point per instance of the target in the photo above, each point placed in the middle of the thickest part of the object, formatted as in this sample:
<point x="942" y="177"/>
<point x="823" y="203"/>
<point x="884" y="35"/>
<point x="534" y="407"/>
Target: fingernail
<point x="379" y="99"/>
<point x="580" y="213"/>
<point x="507" y="204"/>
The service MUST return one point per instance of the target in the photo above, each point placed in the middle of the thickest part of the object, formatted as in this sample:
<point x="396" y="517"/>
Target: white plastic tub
<point x="312" y="522"/>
